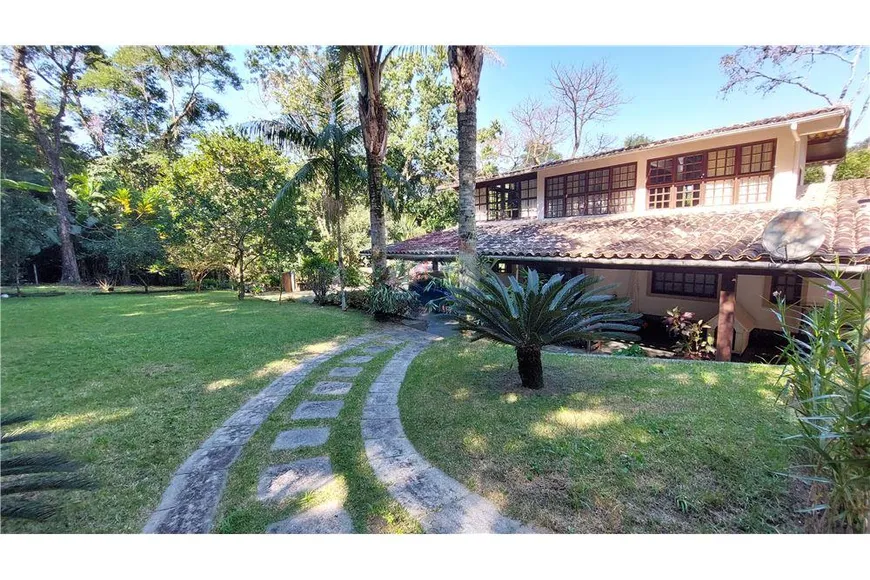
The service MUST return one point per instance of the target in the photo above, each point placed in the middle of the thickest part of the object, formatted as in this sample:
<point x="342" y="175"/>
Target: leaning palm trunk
<point x="465" y="66"/>
<point x="533" y="315"/>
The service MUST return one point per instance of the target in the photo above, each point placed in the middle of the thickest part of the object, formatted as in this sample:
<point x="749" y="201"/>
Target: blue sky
<point x="673" y="90"/>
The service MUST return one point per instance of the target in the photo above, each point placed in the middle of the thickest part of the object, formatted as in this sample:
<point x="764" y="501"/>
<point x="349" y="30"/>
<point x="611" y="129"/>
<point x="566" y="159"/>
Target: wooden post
<point x="434" y="265"/>
<point x="725" y="326"/>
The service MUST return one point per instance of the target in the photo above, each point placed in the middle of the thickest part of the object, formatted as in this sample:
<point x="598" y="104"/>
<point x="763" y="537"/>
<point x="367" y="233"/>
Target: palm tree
<point x="466" y="63"/>
<point x="332" y="158"/>
<point x="369" y="62"/>
<point x="532" y="316"/>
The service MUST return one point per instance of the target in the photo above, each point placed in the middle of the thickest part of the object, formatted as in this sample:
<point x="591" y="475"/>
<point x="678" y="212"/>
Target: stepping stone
<point x="427" y="491"/>
<point x="230" y="435"/>
<point x="296" y="438"/>
<point x="210" y="459"/>
<point x="331" y="388"/>
<point x="380" y="412"/>
<point x="470" y="515"/>
<point x="345" y="372"/>
<point x="326" y="518"/>
<point x="280" y="482"/>
<point x="357" y="360"/>
<point x="374" y="349"/>
<point x="317" y="410"/>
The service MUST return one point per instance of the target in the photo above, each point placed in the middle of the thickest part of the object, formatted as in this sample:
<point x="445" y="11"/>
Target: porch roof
<point x="731" y="234"/>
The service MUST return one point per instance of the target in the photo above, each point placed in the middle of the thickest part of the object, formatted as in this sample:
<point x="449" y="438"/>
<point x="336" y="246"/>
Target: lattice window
<point x="624" y="176"/>
<point x="787" y="286"/>
<point x="684" y="284"/>
<point x="661" y="171"/>
<point x="688" y="195"/>
<point x="599" y="180"/>
<point x="529" y="198"/>
<point x="622" y="201"/>
<point x="720" y="192"/>
<point x="597" y="203"/>
<point x="690" y="167"/>
<point x="659" y="197"/>
<point x="576" y="205"/>
<point x="753" y="189"/>
<point x="721" y="162"/>
<point x="756" y="158"/>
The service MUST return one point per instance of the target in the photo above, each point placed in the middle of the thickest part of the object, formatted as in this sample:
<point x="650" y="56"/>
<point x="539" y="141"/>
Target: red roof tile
<point x="732" y="233"/>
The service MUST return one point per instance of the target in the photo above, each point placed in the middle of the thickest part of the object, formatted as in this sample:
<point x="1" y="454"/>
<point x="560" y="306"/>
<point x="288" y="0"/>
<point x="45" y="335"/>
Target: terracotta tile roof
<point x="732" y="233"/>
<point x="707" y="133"/>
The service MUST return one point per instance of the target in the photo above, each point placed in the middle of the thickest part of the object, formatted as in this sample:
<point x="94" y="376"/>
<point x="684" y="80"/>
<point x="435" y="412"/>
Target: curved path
<point x="189" y="504"/>
<point x="440" y="503"/>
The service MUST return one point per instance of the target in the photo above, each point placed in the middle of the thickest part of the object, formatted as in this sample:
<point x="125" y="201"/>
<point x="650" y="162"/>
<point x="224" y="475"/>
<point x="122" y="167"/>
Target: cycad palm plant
<point x="332" y="157"/>
<point x="532" y="315"/>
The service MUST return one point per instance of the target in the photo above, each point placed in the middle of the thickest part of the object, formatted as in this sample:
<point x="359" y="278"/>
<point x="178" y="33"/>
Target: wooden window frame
<point x="653" y="292"/>
<point x="508" y="199"/>
<point x="736" y="176"/>
<point x="584" y="193"/>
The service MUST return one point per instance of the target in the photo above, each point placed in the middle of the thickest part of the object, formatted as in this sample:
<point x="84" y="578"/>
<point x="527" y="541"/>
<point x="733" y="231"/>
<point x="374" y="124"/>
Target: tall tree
<point x="466" y="63"/>
<point x="586" y="94"/>
<point x="59" y="67"/>
<point x="156" y="94"/>
<point x="332" y="159"/>
<point x="369" y="62"/>
<point x="223" y="191"/>
<point x="768" y="68"/>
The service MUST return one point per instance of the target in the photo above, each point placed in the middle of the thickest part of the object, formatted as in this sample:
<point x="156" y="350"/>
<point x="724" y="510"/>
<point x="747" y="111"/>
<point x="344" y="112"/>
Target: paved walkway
<point x="440" y="503"/>
<point x="189" y="503"/>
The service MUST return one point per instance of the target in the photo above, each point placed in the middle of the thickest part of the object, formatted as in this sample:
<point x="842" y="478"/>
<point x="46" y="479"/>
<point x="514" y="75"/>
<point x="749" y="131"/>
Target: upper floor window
<point x="509" y="200"/>
<point x="596" y="192"/>
<point x="725" y="176"/>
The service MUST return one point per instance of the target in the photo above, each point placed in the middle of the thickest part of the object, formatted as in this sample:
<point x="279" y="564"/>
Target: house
<point x="679" y="221"/>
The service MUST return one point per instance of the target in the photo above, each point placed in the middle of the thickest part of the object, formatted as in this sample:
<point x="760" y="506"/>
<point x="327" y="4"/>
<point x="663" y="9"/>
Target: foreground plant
<point x="26" y="475"/>
<point x="827" y="378"/>
<point x="693" y="339"/>
<point x="533" y="315"/>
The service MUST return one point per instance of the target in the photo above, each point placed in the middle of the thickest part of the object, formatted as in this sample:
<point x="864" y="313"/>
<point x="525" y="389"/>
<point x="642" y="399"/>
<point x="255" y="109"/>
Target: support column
<point x="727" y="307"/>
<point x="434" y="265"/>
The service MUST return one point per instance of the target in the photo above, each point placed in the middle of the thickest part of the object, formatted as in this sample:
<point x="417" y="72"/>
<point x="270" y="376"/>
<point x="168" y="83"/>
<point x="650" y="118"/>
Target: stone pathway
<point x="190" y="501"/>
<point x="440" y="503"/>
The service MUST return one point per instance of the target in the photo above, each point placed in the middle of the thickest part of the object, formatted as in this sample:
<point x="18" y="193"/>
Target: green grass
<point x="131" y="385"/>
<point x="610" y="444"/>
<point x="366" y="500"/>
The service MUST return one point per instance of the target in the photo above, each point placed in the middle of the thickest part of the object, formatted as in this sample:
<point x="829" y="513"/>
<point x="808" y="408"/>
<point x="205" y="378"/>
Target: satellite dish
<point x="793" y="235"/>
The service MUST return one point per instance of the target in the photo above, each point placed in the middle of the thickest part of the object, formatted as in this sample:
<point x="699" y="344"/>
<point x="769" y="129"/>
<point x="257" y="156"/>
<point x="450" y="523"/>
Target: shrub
<point x="353" y="277"/>
<point x="388" y="301"/>
<point x="693" y="340"/>
<point x="319" y="274"/>
<point x="26" y="476"/>
<point x="533" y="315"/>
<point x="358" y="299"/>
<point x="633" y="350"/>
<point x="827" y="383"/>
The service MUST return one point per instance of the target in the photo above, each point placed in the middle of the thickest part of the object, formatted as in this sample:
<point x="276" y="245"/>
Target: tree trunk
<point x="467" y="177"/>
<point x="529" y="366"/>
<point x="50" y="147"/>
<point x="241" y="270"/>
<point x="380" y="273"/>
<point x="340" y="261"/>
<point x="465" y="64"/>
<point x="69" y="268"/>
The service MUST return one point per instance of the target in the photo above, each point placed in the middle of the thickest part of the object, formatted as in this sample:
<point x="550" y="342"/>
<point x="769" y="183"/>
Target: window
<point x="684" y="284"/>
<point x="788" y="286"/>
<point x="515" y="199"/>
<point x="740" y="174"/>
<point x="596" y="192"/>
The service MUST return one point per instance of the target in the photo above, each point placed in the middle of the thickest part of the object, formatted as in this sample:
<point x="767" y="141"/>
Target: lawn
<point x="610" y="444"/>
<point x="131" y="384"/>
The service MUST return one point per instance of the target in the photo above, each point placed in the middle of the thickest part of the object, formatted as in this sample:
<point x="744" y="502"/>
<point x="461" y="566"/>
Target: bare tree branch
<point x="587" y="94"/>
<point x="540" y="128"/>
